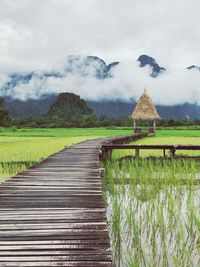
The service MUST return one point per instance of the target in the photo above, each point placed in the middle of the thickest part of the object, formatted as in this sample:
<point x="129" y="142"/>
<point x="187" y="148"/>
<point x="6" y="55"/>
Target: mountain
<point x="83" y="66"/>
<point x="35" y="107"/>
<point x="92" y="66"/>
<point x="121" y="109"/>
<point x="112" y="109"/>
<point x="193" y="67"/>
<point x="69" y="106"/>
<point x="20" y="79"/>
<point x="89" y="66"/>
<point x="150" y="61"/>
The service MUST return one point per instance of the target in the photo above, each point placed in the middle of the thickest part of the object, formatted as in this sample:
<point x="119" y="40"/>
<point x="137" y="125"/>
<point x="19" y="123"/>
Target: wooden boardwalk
<point x="53" y="214"/>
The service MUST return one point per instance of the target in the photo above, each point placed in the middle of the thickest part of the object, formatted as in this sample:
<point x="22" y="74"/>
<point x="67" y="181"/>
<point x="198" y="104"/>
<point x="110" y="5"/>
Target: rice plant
<point x="19" y="153"/>
<point x="161" y="140"/>
<point x="153" y="212"/>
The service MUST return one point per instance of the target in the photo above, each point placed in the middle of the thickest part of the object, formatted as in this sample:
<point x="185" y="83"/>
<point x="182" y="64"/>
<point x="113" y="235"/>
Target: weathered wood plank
<point x="62" y="263"/>
<point x="53" y="213"/>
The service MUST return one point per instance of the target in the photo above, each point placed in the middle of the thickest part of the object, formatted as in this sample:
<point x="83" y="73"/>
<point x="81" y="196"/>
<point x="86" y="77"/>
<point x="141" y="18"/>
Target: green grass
<point x="72" y="132"/>
<point x="19" y="153"/>
<point x="153" y="205"/>
<point x="65" y="132"/>
<point x="153" y="219"/>
<point x="145" y="219"/>
<point x="164" y="138"/>
<point x="33" y="148"/>
<point x="175" y="133"/>
<point x="22" y="148"/>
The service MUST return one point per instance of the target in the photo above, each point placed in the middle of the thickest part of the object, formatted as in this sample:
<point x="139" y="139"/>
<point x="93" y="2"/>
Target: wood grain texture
<point x="53" y="214"/>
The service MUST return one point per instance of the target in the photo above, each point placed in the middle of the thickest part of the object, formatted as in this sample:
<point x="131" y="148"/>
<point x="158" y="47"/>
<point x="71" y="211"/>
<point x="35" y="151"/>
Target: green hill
<point x="69" y="109"/>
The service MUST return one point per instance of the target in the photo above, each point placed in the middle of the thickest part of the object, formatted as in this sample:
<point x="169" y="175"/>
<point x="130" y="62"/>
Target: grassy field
<point x="19" y="153"/>
<point x="21" y="148"/>
<point x="153" y="205"/>
<point x="153" y="212"/>
<point x="109" y="131"/>
<point x="165" y="137"/>
<point x="64" y="132"/>
<point x="151" y="224"/>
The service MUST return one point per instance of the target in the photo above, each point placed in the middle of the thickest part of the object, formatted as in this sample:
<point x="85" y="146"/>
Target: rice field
<point x="162" y="140"/>
<point x="153" y="212"/>
<point x="153" y="205"/>
<point x="22" y="148"/>
<point x="19" y="153"/>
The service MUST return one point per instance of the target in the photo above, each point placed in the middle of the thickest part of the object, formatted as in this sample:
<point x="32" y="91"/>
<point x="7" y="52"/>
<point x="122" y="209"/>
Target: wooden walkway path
<point x="53" y="214"/>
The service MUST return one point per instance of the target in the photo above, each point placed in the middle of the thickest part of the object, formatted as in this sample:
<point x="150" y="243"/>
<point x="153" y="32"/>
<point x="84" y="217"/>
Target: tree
<point x="4" y="114"/>
<point x="1" y="101"/>
<point x="89" y="121"/>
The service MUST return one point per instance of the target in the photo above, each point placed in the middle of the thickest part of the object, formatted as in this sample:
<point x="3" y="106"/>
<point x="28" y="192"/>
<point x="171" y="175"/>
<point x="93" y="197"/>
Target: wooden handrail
<point x="152" y="147"/>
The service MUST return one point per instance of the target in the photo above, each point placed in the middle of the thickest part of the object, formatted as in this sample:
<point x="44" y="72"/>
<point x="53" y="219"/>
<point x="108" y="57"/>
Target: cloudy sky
<point x="38" y="34"/>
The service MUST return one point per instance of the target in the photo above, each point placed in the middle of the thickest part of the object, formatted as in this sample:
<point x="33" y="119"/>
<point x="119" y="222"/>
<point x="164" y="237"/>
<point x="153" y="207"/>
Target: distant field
<point x="166" y="137"/>
<point x="109" y="131"/>
<point x="178" y="132"/>
<point x="65" y="132"/>
<point x="21" y="148"/>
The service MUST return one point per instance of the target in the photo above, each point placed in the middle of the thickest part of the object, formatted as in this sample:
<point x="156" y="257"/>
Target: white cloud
<point x="36" y="35"/>
<point x="128" y="82"/>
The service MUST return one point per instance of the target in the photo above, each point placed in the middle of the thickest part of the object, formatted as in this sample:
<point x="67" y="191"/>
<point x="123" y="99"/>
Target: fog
<point x="36" y="35"/>
<point x="128" y="81"/>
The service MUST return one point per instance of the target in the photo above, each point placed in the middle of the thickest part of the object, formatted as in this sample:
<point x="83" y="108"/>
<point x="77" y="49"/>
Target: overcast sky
<point x="38" y="34"/>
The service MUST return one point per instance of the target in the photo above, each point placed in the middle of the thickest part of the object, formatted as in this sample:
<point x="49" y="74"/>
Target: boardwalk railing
<point x="107" y="148"/>
<point x="53" y="214"/>
<point x="126" y="139"/>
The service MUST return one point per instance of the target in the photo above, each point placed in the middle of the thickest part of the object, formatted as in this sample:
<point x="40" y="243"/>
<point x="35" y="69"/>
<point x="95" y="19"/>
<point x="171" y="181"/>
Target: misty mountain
<point x="38" y="98"/>
<point x="121" y="109"/>
<point x="20" y="79"/>
<point x="69" y="106"/>
<point x="193" y="67"/>
<point x="83" y="66"/>
<point x="111" y="109"/>
<point x="150" y="61"/>
<point x="35" y="107"/>
<point x="89" y="66"/>
<point x="92" y="66"/>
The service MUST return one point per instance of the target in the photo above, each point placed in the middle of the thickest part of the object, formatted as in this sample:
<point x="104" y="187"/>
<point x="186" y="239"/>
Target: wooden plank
<point x="53" y="213"/>
<point x="55" y="225"/>
<point x="62" y="263"/>
<point x="60" y="258"/>
<point x="49" y="243"/>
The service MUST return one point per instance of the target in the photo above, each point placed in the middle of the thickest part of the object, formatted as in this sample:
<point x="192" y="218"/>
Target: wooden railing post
<point x="109" y="155"/>
<point x="172" y="152"/>
<point x="137" y="152"/>
<point x="164" y="153"/>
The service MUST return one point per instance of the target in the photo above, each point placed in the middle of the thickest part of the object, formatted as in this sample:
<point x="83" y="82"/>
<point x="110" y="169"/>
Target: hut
<point x="145" y="110"/>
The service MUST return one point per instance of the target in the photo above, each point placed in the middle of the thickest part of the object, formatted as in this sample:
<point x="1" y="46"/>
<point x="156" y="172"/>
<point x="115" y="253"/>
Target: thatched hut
<point x="145" y="110"/>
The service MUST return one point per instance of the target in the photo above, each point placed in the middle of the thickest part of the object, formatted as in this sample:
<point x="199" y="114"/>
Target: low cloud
<point x="34" y="34"/>
<point x="175" y="86"/>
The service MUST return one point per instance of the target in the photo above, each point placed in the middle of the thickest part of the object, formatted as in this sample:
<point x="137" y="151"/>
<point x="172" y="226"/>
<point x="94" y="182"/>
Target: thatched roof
<point x="145" y="109"/>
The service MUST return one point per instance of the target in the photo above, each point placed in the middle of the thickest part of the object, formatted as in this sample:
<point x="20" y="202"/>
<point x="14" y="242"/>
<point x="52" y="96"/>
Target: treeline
<point x="87" y="121"/>
<point x="69" y="110"/>
<point x="4" y="114"/>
